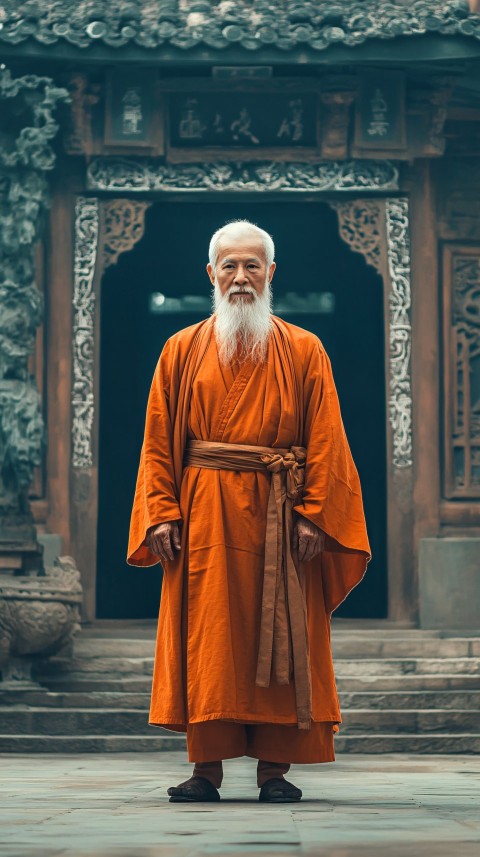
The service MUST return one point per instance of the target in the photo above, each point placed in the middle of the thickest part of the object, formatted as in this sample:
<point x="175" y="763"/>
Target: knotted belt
<point x="283" y="648"/>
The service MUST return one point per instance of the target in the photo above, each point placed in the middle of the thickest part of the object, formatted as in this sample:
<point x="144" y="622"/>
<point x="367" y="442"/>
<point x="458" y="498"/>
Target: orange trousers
<point x="275" y="746"/>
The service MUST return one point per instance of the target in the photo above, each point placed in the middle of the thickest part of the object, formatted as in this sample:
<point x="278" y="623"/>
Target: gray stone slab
<point x="449" y="582"/>
<point x="52" y="547"/>
<point x="358" y="806"/>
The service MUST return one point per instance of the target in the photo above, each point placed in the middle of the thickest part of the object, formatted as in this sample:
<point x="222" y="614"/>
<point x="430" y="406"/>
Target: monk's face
<point x="241" y="271"/>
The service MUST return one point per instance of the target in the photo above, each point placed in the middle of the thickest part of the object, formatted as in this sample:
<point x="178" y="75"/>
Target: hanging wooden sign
<point x="227" y="121"/>
<point x="380" y="112"/>
<point x="132" y="114"/>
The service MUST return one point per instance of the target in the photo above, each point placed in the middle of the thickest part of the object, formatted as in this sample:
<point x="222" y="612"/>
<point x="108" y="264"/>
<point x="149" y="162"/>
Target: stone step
<point x="440" y="681"/>
<point x="396" y="699"/>
<point x="414" y="699"/>
<point x="445" y="743"/>
<point x="407" y="666"/>
<point x="409" y="720"/>
<point x="352" y="648"/>
<point x="67" y="721"/>
<point x="448" y="743"/>
<point x="343" y="666"/>
<point x="343" y="646"/>
<point x="90" y="743"/>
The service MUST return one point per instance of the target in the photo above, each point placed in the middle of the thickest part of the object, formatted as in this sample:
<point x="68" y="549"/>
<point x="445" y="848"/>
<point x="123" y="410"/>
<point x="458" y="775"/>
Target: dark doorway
<point x="168" y="265"/>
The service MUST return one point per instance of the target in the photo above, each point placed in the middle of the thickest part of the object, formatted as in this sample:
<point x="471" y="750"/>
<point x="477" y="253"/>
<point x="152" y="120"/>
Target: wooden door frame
<point x="359" y="186"/>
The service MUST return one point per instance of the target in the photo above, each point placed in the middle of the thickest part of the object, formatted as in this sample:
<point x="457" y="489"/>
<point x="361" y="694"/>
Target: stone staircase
<point x="401" y="690"/>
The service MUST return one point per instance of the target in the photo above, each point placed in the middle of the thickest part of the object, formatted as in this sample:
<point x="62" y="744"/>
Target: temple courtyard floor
<point x="115" y="805"/>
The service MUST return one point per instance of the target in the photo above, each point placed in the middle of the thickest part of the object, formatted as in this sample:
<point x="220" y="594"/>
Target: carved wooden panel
<point x="360" y="223"/>
<point x="461" y="286"/>
<point x="124" y="225"/>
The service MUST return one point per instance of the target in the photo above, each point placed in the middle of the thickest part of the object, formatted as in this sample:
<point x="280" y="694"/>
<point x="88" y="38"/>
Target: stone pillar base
<point x="39" y="616"/>
<point x="449" y="583"/>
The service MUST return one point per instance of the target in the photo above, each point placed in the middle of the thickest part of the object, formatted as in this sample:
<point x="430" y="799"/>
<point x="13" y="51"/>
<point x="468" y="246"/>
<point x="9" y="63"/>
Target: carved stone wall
<point x="39" y="608"/>
<point x="27" y="107"/>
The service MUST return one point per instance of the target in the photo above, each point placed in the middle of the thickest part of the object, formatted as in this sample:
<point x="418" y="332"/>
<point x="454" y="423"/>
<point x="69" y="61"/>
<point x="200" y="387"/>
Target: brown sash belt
<point x="283" y="648"/>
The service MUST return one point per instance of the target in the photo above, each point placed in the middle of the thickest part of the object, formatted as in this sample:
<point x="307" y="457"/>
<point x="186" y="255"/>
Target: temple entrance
<point x="161" y="286"/>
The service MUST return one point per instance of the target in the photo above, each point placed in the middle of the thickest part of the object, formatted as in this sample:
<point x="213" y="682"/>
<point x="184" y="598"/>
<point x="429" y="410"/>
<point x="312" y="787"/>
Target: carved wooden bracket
<point x="123" y="227"/>
<point x="361" y="226"/>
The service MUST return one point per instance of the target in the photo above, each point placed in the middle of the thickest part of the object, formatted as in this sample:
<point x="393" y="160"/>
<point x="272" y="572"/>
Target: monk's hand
<point x="163" y="539"/>
<point x="308" y="539"/>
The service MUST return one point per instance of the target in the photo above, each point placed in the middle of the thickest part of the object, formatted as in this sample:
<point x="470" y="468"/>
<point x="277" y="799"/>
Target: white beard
<point x="242" y="323"/>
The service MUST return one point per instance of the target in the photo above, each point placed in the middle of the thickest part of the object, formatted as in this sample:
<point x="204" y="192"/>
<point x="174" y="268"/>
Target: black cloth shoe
<point x="278" y="790"/>
<point x="194" y="789"/>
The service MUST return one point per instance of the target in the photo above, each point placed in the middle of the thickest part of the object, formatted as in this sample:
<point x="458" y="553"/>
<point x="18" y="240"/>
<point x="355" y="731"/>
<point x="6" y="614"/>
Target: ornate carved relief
<point x="143" y="175"/>
<point x="86" y="242"/>
<point x="462" y="354"/>
<point x="400" y="398"/>
<point x="27" y="107"/>
<point x="39" y="608"/>
<point x="124" y="225"/>
<point x="360" y="223"/>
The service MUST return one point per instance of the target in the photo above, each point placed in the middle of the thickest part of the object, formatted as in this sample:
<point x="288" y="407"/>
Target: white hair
<point x="240" y="229"/>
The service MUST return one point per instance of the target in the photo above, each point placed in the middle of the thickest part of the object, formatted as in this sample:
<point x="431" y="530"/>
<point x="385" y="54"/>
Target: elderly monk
<point x="248" y="495"/>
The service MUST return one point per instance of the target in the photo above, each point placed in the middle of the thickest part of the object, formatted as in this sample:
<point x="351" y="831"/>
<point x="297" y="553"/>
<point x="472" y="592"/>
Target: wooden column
<point x="58" y="330"/>
<point x="425" y="356"/>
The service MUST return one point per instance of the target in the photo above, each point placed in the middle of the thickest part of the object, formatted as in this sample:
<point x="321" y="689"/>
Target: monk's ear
<point x="211" y="274"/>
<point x="271" y="271"/>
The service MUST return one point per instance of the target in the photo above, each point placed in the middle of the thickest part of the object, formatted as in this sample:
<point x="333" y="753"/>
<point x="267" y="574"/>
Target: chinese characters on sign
<point x="380" y="111"/>
<point x="379" y="123"/>
<point x="131" y="114"/>
<point x="245" y="120"/>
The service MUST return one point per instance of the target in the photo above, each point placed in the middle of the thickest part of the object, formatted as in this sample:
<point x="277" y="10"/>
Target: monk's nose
<point x="240" y="277"/>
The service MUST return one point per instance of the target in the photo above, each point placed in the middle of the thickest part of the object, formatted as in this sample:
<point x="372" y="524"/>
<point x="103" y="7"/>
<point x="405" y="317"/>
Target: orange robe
<point x="208" y="630"/>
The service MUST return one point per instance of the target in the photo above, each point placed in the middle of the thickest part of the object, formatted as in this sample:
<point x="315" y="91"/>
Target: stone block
<point x="449" y="583"/>
<point x="52" y="547"/>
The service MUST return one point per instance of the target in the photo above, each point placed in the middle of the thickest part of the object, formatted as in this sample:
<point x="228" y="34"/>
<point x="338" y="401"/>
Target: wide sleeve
<point x="155" y="500"/>
<point x="332" y="497"/>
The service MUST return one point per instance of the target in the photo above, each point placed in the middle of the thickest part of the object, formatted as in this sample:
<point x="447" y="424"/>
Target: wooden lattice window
<point x="461" y="308"/>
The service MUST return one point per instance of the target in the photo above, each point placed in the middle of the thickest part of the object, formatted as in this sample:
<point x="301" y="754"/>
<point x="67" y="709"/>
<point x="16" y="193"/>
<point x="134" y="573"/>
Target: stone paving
<point x="115" y="805"/>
